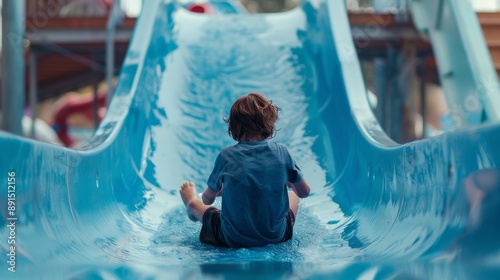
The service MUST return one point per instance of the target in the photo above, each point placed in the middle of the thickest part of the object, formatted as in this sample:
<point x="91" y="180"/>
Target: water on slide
<point x="377" y="210"/>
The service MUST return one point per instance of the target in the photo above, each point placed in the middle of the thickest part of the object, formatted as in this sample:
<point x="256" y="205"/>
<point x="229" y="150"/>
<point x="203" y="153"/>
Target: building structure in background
<point x="66" y="46"/>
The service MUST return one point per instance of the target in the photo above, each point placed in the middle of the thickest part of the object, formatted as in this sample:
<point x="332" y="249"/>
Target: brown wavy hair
<point x="252" y="117"/>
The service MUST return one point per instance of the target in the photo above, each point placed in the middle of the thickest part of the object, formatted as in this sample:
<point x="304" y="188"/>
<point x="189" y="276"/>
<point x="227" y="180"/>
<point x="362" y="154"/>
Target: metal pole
<point x="110" y="48"/>
<point x="423" y="105"/>
<point x="110" y="67"/>
<point x="380" y="83"/>
<point x="95" y="104"/>
<point x="13" y="20"/>
<point x="33" y="92"/>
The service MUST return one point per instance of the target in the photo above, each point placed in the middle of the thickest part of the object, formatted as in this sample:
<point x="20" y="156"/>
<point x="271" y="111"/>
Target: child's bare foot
<point x="188" y="193"/>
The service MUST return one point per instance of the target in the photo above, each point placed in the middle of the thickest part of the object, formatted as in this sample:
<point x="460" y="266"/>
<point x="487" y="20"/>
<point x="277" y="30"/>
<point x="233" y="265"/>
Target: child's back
<point x="255" y="197"/>
<point x="253" y="175"/>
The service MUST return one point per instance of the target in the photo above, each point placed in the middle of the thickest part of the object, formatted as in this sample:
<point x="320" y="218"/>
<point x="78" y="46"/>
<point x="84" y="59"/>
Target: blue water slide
<point x="228" y="6"/>
<point x="378" y="210"/>
<point x="466" y="70"/>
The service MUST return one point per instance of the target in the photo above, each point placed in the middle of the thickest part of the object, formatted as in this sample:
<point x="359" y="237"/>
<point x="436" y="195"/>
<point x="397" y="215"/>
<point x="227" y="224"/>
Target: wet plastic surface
<point x="426" y="210"/>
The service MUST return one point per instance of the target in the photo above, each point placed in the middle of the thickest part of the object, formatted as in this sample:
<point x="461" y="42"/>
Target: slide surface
<point x="378" y="210"/>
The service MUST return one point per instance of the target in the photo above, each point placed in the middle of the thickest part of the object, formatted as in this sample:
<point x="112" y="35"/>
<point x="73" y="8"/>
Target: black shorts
<point x="211" y="230"/>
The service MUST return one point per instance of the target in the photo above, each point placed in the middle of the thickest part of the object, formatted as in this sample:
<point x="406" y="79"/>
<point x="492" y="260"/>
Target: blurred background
<point x="67" y="69"/>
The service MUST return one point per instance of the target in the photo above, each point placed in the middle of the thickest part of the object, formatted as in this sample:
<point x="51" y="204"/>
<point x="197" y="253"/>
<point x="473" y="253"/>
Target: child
<point x="251" y="177"/>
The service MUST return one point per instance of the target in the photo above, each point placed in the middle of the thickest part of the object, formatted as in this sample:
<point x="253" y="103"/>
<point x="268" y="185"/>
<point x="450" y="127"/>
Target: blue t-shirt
<point x="254" y="197"/>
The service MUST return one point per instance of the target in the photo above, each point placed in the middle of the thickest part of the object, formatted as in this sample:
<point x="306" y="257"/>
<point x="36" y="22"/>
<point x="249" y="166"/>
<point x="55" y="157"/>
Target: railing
<point x="79" y="8"/>
<point x="67" y="8"/>
<point x="379" y="5"/>
<point x="403" y="5"/>
<point x="486" y="5"/>
<point x="114" y="19"/>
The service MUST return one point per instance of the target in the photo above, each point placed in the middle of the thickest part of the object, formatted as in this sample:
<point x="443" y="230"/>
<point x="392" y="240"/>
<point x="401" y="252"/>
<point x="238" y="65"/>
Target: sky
<point x="486" y="4"/>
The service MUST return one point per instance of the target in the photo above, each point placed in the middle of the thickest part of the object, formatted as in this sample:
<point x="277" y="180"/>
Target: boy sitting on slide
<point x="252" y="177"/>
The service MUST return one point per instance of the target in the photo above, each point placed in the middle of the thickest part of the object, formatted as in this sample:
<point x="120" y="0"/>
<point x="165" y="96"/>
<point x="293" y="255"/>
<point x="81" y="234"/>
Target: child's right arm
<point x="300" y="188"/>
